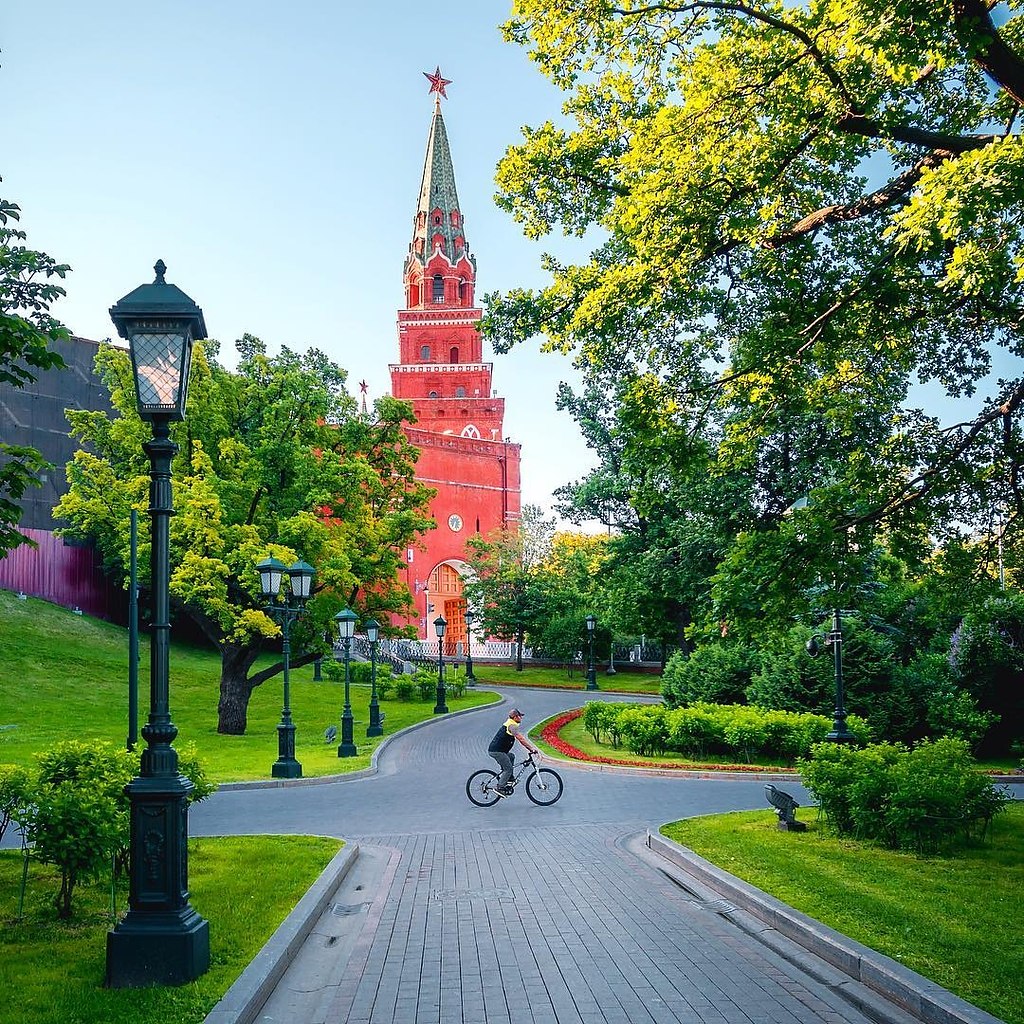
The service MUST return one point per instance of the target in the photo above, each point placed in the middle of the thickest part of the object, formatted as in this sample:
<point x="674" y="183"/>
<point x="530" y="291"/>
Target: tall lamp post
<point x="440" y="625"/>
<point x="840" y="733"/>
<point x="470" y="619"/>
<point x="161" y="940"/>
<point x="372" y="632"/>
<point x="591" y="672"/>
<point x="300" y="576"/>
<point x="346" y="620"/>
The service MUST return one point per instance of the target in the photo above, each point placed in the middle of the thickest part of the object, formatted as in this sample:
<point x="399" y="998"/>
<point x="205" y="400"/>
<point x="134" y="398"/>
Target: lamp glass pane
<point x="161" y="369"/>
<point x="301" y="576"/>
<point x="372" y="630"/>
<point x="346" y="620"/>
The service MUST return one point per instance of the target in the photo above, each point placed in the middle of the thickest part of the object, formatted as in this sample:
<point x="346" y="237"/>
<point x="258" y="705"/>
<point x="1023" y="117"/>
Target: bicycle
<point x="543" y="785"/>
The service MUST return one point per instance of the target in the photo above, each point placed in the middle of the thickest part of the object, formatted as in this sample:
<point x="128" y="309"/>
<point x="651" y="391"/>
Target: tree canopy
<point x="274" y="459"/>
<point x="27" y="290"/>
<point x="805" y="213"/>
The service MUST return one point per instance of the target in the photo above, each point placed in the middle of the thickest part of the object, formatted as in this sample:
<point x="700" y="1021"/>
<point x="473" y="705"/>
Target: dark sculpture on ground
<point x="785" y="807"/>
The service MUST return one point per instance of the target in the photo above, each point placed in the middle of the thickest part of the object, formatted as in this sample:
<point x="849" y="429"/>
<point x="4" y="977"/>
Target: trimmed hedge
<point x="918" y="799"/>
<point x="701" y="730"/>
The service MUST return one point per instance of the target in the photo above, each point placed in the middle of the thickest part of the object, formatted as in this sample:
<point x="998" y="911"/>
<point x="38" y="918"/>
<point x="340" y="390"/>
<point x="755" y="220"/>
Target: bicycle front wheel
<point x="544" y="786"/>
<point x="482" y="788"/>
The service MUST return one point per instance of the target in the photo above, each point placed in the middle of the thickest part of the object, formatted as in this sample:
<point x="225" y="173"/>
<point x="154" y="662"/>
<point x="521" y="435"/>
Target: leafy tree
<point x="504" y="583"/>
<point x="987" y="657"/>
<point x="822" y="200"/>
<point x="27" y="290"/>
<point x="274" y="459"/>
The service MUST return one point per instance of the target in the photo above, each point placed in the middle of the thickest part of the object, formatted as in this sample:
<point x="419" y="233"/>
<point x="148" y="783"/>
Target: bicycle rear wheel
<point x="544" y="786"/>
<point x="482" y="788"/>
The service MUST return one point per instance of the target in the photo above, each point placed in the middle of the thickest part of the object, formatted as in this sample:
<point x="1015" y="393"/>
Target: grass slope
<point x="66" y="676"/>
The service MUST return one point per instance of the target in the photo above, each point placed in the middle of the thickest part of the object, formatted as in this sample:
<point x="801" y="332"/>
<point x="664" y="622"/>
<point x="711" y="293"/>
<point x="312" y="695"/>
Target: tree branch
<point x="987" y="48"/>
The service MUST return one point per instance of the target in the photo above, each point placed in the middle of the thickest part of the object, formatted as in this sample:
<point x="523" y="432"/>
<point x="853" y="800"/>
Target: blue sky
<point x="271" y="155"/>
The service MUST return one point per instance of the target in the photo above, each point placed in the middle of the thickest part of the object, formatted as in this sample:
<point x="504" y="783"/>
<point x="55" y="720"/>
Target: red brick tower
<point x="464" y="454"/>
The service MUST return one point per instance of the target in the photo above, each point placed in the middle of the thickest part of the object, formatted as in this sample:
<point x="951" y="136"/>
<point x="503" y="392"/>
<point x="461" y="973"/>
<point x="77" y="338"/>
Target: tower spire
<point x="438" y="226"/>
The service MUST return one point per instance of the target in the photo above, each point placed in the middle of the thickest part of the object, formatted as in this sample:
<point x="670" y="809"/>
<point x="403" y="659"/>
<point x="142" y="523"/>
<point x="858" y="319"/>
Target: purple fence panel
<point x="57" y="572"/>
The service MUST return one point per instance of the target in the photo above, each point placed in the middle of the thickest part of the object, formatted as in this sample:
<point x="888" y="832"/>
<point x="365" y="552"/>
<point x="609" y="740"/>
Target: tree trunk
<point x="235" y="688"/>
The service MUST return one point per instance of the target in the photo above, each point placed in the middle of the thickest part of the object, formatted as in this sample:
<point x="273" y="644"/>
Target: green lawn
<point x="244" y="886"/>
<point x="955" y="920"/>
<point x="65" y="676"/>
<point x="563" y="679"/>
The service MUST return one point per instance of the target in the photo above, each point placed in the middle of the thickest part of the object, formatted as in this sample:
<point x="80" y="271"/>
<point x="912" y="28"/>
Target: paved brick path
<point x="454" y="914"/>
<point x="551" y="925"/>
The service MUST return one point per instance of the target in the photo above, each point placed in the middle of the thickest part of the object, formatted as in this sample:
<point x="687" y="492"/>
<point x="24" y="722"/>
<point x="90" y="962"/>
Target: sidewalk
<point x="580" y="925"/>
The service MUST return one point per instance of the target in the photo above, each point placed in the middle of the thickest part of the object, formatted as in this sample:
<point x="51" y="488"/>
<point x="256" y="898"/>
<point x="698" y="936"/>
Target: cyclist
<point x="501" y="749"/>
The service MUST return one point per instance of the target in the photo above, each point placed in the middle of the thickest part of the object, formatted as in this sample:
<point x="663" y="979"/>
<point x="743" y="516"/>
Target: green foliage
<point x="274" y="458"/>
<point x="76" y="816"/>
<point x="27" y="290"/>
<point x="405" y="688"/>
<point x="14" y="788"/>
<point x="800" y="212"/>
<point x="192" y="768"/>
<point x="601" y="719"/>
<point x="715" y="673"/>
<point x="735" y="732"/>
<point x="987" y="655"/>
<point x="644" y="730"/>
<point x="916" y="799"/>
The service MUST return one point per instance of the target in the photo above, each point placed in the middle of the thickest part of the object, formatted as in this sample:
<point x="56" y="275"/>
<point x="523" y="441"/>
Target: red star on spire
<point x="437" y="83"/>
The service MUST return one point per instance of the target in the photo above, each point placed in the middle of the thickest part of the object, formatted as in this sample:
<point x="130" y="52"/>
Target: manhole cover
<point x="452" y="895"/>
<point x="347" y="909"/>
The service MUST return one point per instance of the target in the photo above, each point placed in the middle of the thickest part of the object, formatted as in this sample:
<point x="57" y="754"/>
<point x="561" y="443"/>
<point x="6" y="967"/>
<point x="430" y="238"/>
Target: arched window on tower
<point x="460" y="392"/>
<point x="438" y="292"/>
<point x="470" y="431"/>
<point x="453" y="356"/>
<point x="424" y="353"/>
<point x="433" y="394"/>
<point x="462" y="291"/>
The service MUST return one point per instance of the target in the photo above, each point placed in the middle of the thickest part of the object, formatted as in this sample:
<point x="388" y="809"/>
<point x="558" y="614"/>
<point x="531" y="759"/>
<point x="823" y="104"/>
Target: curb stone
<point x="923" y="999"/>
<point x="247" y="996"/>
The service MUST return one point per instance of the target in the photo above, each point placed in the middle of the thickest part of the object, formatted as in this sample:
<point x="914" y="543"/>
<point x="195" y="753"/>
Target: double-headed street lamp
<point x="346" y="620"/>
<point x="591" y="672"/>
<point x="840" y="733"/>
<point x="440" y="625"/>
<point x="470" y="619"/>
<point x="372" y="628"/>
<point x="300" y="576"/>
<point x="161" y="940"/>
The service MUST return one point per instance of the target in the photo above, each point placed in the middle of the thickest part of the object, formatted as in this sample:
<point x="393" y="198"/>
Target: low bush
<point x="736" y="731"/>
<point x="918" y="798"/>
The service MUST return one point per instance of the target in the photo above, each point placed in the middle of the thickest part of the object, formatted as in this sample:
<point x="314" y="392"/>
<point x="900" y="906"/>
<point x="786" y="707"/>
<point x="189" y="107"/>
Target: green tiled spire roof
<point x="438" y="198"/>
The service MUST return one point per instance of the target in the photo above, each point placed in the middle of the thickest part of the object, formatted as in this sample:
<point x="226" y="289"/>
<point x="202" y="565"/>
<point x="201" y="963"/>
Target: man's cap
<point x="516" y="712"/>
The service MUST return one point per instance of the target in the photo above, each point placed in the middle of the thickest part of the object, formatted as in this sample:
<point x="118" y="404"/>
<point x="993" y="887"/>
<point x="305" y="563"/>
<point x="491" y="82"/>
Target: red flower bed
<point x="549" y="734"/>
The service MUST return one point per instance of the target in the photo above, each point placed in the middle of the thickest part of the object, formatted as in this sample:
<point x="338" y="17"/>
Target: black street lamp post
<point x="840" y="733"/>
<point x="346" y="620"/>
<point x="591" y="671"/>
<point x="470" y="619"/>
<point x="440" y="625"/>
<point x="372" y="632"/>
<point x="301" y="580"/>
<point x="161" y="940"/>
